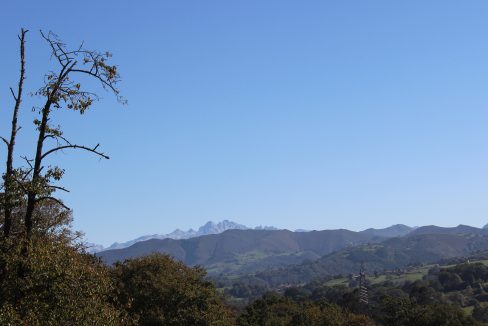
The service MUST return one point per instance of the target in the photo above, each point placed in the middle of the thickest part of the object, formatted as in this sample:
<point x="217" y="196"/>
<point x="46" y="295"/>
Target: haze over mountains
<point x="429" y="244"/>
<point x="206" y="229"/>
<point x="246" y="250"/>
<point x="280" y="256"/>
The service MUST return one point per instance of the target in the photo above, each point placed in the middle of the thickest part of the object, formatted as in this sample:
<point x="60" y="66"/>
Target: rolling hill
<point x="281" y="256"/>
<point x="418" y="247"/>
<point x="245" y="251"/>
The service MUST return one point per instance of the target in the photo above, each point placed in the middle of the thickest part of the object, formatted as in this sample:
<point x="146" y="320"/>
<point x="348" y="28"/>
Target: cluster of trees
<point x="64" y="286"/>
<point x="288" y="309"/>
<point x="276" y="309"/>
<point x="459" y="277"/>
<point x="445" y="296"/>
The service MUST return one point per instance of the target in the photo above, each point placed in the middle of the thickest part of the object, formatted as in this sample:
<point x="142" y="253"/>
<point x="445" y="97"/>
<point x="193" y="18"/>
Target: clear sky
<point x="297" y="114"/>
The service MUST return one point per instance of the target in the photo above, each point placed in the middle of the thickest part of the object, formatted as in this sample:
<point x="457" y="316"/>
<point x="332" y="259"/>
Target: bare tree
<point x="62" y="89"/>
<point x="9" y="197"/>
<point x="27" y="188"/>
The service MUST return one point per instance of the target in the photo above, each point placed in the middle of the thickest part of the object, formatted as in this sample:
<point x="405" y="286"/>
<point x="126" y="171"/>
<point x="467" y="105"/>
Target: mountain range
<point x="429" y="244"/>
<point x="273" y="257"/>
<point x="206" y="229"/>
<point x="248" y="250"/>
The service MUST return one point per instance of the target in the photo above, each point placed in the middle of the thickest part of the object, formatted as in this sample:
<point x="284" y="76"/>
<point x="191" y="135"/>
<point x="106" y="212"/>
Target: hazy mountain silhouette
<point x="250" y="250"/>
<point x="208" y="228"/>
<point x="424" y="245"/>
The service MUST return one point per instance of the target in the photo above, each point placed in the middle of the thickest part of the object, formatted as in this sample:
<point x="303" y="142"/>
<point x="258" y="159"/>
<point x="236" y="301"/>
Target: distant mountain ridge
<point x="397" y="230"/>
<point x="275" y="257"/>
<point x="428" y="244"/>
<point x="208" y="228"/>
<point x="248" y="250"/>
<point x="460" y="229"/>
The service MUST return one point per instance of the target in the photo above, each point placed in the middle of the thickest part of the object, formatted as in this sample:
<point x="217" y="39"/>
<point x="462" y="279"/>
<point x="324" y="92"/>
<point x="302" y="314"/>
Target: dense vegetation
<point x="275" y="309"/>
<point x="445" y="296"/>
<point x="158" y="290"/>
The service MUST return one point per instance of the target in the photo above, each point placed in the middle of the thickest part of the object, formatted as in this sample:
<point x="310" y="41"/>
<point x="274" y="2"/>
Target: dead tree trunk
<point x="9" y="172"/>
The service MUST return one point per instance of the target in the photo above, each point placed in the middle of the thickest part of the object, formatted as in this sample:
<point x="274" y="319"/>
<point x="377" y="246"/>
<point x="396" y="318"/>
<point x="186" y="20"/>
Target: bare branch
<point x="29" y="161"/>
<point x="58" y="188"/>
<point x="57" y="137"/>
<point x="56" y="45"/>
<point x="53" y="199"/>
<point x="13" y="93"/>
<point x="93" y="150"/>
<point x="96" y="75"/>
<point x="26" y="174"/>
<point x="50" y="136"/>
<point x="5" y="141"/>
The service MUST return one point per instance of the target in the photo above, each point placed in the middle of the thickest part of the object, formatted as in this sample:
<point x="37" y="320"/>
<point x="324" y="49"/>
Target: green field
<point x="250" y="262"/>
<point x="413" y="275"/>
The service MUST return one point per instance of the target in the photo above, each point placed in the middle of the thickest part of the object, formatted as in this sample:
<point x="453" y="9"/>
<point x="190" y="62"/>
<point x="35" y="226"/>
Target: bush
<point x="55" y="284"/>
<point x="273" y="309"/>
<point x="161" y="291"/>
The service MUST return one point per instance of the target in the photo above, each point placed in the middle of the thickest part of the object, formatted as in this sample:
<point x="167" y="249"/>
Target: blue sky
<point x="313" y="115"/>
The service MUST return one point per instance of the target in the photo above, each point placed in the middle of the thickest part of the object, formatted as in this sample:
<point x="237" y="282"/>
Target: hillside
<point x="244" y="251"/>
<point x="390" y="254"/>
